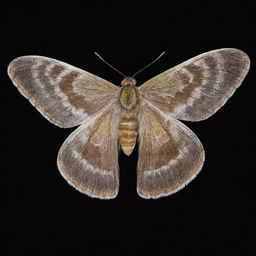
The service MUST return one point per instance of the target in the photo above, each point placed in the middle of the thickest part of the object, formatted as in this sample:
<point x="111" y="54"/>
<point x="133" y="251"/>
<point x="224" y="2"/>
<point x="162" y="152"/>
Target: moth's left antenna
<point x="109" y="64"/>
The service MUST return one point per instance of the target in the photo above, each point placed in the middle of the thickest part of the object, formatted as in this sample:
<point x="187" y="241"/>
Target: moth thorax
<point x="128" y="96"/>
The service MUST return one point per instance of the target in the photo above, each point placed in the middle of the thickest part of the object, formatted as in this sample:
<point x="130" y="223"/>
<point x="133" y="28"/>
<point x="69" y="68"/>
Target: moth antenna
<point x="109" y="64"/>
<point x="149" y="64"/>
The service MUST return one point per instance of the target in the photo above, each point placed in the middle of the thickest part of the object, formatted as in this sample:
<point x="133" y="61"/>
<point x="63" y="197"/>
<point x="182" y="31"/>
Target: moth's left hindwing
<point x="64" y="94"/>
<point x="88" y="159"/>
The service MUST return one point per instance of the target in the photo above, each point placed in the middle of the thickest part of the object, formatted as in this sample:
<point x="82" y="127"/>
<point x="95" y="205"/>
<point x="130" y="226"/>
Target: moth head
<point x="128" y="81"/>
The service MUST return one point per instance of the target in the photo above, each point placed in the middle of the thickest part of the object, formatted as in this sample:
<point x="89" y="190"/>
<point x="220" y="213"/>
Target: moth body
<point x="128" y="126"/>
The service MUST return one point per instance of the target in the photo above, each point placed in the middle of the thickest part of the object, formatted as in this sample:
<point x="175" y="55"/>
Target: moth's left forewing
<point x="62" y="93"/>
<point x="88" y="159"/>
<point x="170" y="154"/>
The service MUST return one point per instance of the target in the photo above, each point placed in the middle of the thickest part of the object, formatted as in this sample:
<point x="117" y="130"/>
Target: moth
<point x="110" y="116"/>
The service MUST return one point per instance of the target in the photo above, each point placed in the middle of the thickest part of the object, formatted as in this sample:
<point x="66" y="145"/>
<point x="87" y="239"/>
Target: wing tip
<point x="244" y="55"/>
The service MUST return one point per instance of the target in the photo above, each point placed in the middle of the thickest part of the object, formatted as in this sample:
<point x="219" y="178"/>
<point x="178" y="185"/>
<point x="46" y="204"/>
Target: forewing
<point x="88" y="159"/>
<point x="64" y="94"/>
<point x="197" y="88"/>
<point x="170" y="154"/>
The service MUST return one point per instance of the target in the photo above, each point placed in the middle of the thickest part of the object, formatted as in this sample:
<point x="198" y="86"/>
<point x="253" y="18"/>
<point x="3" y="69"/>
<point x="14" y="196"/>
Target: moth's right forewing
<point x="198" y="87"/>
<point x="64" y="94"/>
<point x="88" y="159"/>
<point x="170" y="154"/>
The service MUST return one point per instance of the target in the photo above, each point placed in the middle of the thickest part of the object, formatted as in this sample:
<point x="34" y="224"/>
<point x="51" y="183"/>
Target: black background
<point x="43" y="215"/>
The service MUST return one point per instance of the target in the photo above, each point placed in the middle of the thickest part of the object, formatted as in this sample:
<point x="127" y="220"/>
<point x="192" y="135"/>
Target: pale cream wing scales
<point x="88" y="159"/>
<point x="64" y="94"/>
<point x="170" y="154"/>
<point x="197" y="88"/>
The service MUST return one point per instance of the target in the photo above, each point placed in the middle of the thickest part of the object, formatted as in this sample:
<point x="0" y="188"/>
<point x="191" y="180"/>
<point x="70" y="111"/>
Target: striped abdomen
<point x="128" y="134"/>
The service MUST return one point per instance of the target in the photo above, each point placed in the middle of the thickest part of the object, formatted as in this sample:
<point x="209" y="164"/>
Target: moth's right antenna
<point x="109" y="64"/>
<point x="149" y="64"/>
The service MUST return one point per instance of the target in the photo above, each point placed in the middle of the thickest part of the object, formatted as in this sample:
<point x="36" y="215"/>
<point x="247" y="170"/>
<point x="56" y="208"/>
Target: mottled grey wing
<point x="197" y="88"/>
<point x="88" y="159"/>
<point x="64" y="94"/>
<point x="170" y="154"/>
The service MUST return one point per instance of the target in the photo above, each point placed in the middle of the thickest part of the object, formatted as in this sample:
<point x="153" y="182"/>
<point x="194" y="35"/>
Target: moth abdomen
<point x="128" y="131"/>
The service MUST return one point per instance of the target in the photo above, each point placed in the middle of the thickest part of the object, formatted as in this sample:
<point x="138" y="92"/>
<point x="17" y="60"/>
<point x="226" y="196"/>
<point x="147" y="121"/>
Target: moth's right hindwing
<point x="170" y="154"/>
<point x="88" y="159"/>
<point x="64" y="94"/>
